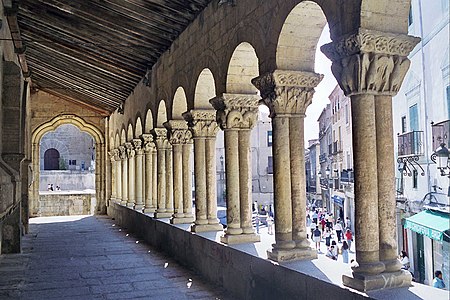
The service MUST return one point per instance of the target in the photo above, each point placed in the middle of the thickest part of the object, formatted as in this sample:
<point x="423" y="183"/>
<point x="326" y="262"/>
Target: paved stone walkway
<point x="93" y="258"/>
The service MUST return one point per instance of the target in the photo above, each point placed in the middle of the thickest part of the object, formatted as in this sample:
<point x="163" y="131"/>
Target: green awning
<point x="429" y="223"/>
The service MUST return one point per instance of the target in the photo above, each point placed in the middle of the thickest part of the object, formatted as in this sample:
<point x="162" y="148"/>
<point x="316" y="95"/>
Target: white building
<point x="423" y="98"/>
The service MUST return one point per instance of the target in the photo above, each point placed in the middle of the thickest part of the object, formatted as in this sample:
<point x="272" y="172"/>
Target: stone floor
<point x="88" y="257"/>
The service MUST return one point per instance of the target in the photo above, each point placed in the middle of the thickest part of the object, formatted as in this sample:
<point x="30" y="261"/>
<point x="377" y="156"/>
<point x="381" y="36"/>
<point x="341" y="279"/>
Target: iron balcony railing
<point x="322" y="157"/>
<point x="410" y="144"/>
<point x="347" y="176"/>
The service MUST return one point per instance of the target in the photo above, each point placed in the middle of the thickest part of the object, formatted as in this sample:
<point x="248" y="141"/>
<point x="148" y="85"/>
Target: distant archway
<point x="51" y="159"/>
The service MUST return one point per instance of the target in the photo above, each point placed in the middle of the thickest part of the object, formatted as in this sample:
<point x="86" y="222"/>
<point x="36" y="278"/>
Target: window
<point x="270" y="165"/>
<point x="410" y="16"/>
<point x="403" y="124"/>
<point x="346" y="114"/>
<point x="72" y="162"/>
<point x="269" y="138"/>
<point x="414" y="178"/>
<point x="413" y="118"/>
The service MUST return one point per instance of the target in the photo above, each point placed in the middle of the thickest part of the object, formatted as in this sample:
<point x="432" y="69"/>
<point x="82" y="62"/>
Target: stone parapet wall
<point x="65" y="204"/>
<point x="67" y="180"/>
<point x="244" y="275"/>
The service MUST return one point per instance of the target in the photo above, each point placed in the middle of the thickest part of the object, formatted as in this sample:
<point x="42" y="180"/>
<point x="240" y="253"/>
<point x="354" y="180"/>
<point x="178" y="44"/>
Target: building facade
<point x="423" y="99"/>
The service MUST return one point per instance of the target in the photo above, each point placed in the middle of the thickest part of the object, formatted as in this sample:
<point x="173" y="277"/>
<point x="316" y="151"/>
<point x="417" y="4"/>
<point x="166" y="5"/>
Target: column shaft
<point x="245" y="181"/>
<point x="118" y="181"/>
<point x="282" y="183"/>
<point x="232" y="181"/>
<point x="366" y="184"/>
<point x="298" y="180"/>
<point x="154" y="179"/>
<point x="131" y="182"/>
<point x="169" y="179"/>
<point x="148" y="207"/>
<point x="161" y="205"/>
<point x="113" y="180"/>
<point x="124" y="181"/>
<point x="139" y="182"/>
<point x="200" y="181"/>
<point x="178" y="180"/>
<point x="187" y="181"/>
<point x="386" y="183"/>
<point x="211" y="182"/>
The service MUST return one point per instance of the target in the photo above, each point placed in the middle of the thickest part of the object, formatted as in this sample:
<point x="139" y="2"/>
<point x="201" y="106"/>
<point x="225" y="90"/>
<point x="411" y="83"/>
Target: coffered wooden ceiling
<point x="95" y="51"/>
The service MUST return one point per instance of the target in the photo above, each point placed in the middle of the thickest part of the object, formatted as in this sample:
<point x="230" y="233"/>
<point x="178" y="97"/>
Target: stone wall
<point x="65" y="204"/>
<point x="67" y="180"/>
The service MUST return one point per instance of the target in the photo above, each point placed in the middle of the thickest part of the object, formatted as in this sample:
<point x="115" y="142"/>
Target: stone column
<point x="179" y="136"/>
<point x="131" y="174"/>
<point x="155" y="178"/>
<point x="160" y="135"/>
<point x="118" y="176"/>
<point x="237" y="115"/>
<point x="288" y="94"/>
<point x="203" y="126"/>
<point x="112" y="156"/>
<point x="187" y="182"/>
<point x="169" y="178"/>
<point x="148" y="147"/>
<point x="124" y="157"/>
<point x="370" y="67"/>
<point x="139" y="162"/>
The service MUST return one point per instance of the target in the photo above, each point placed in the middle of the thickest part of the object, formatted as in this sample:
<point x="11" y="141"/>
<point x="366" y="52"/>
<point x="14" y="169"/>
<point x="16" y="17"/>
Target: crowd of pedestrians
<point x="335" y="233"/>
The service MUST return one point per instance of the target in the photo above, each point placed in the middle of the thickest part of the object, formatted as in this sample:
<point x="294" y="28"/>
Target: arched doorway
<point x="51" y="159"/>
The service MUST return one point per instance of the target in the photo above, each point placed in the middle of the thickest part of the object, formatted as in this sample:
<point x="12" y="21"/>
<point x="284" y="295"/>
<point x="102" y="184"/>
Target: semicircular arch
<point x="242" y="68"/>
<point x="162" y="114"/>
<point x="179" y="104"/>
<point x="205" y="89"/>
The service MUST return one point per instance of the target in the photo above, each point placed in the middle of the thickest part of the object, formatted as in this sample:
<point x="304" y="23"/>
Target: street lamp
<point x="441" y="157"/>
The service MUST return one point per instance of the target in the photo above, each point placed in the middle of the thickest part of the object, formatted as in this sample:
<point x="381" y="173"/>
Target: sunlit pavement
<point x="86" y="257"/>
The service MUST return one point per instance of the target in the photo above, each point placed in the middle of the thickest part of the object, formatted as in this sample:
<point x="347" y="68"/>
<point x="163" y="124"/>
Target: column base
<point x="138" y="207"/>
<point x="206" y="227"/>
<point x="232" y="239"/>
<point x="366" y="283"/>
<point x="149" y="210"/>
<point x="162" y="215"/>
<point x="130" y="204"/>
<point x="182" y="220"/>
<point x="280" y="255"/>
<point x="123" y="202"/>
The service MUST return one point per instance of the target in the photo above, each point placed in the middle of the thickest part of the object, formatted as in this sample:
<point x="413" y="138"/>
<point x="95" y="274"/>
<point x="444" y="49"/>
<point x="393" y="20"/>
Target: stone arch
<point x="205" y="89"/>
<point x="179" y="105"/>
<point x="138" y="128"/>
<point x="117" y="141"/>
<point x="162" y="114"/>
<point x="51" y="159"/>
<point x="130" y="132"/>
<point x="123" y="137"/>
<point x="148" y="121"/>
<point x="297" y="42"/>
<point x="52" y="144"/>
<point x="243" y="67"/>
<point x="100" y="171"/>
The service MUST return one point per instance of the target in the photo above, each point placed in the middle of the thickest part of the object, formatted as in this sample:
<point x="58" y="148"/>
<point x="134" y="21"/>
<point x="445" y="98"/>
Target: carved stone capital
<point x="123" y="152"/>
<point x="130" y="150"/>
<point x="202" y="123"/>
<point x="236" y="111"/>
<point x="287" y="92"/>
<point x="370" y="61"/>
<point x="148" y="144"/>
<point x="114" y="155"/>
<point x="160" y="138"/>
<point x="137" y="143"/>
<point x="179" y="132"/>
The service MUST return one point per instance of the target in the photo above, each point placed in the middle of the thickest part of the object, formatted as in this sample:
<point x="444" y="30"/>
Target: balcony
<point x="441" y="134"/>
<point x="337" y="147"/>
<point x="347" y="176"/>
<point x="410" y="144"/>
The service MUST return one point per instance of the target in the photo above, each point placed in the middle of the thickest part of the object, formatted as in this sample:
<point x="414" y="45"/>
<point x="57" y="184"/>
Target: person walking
<point x="330" y="253"/>
<point x="314" y="216"/>
<point x="335" y="249"/>
<point x="308" y="224"/>
<point x="338" y="229"/>
<point x="438" y="282"/>
<point x="349" y="238"/>
<point x="344" y="251"/>
<point x="270" y="224"/>
<point x="348" y="223"/>
<point x="313" y="227"/>
<point x="316" y="237"/>
<point x="327" y="237"/>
